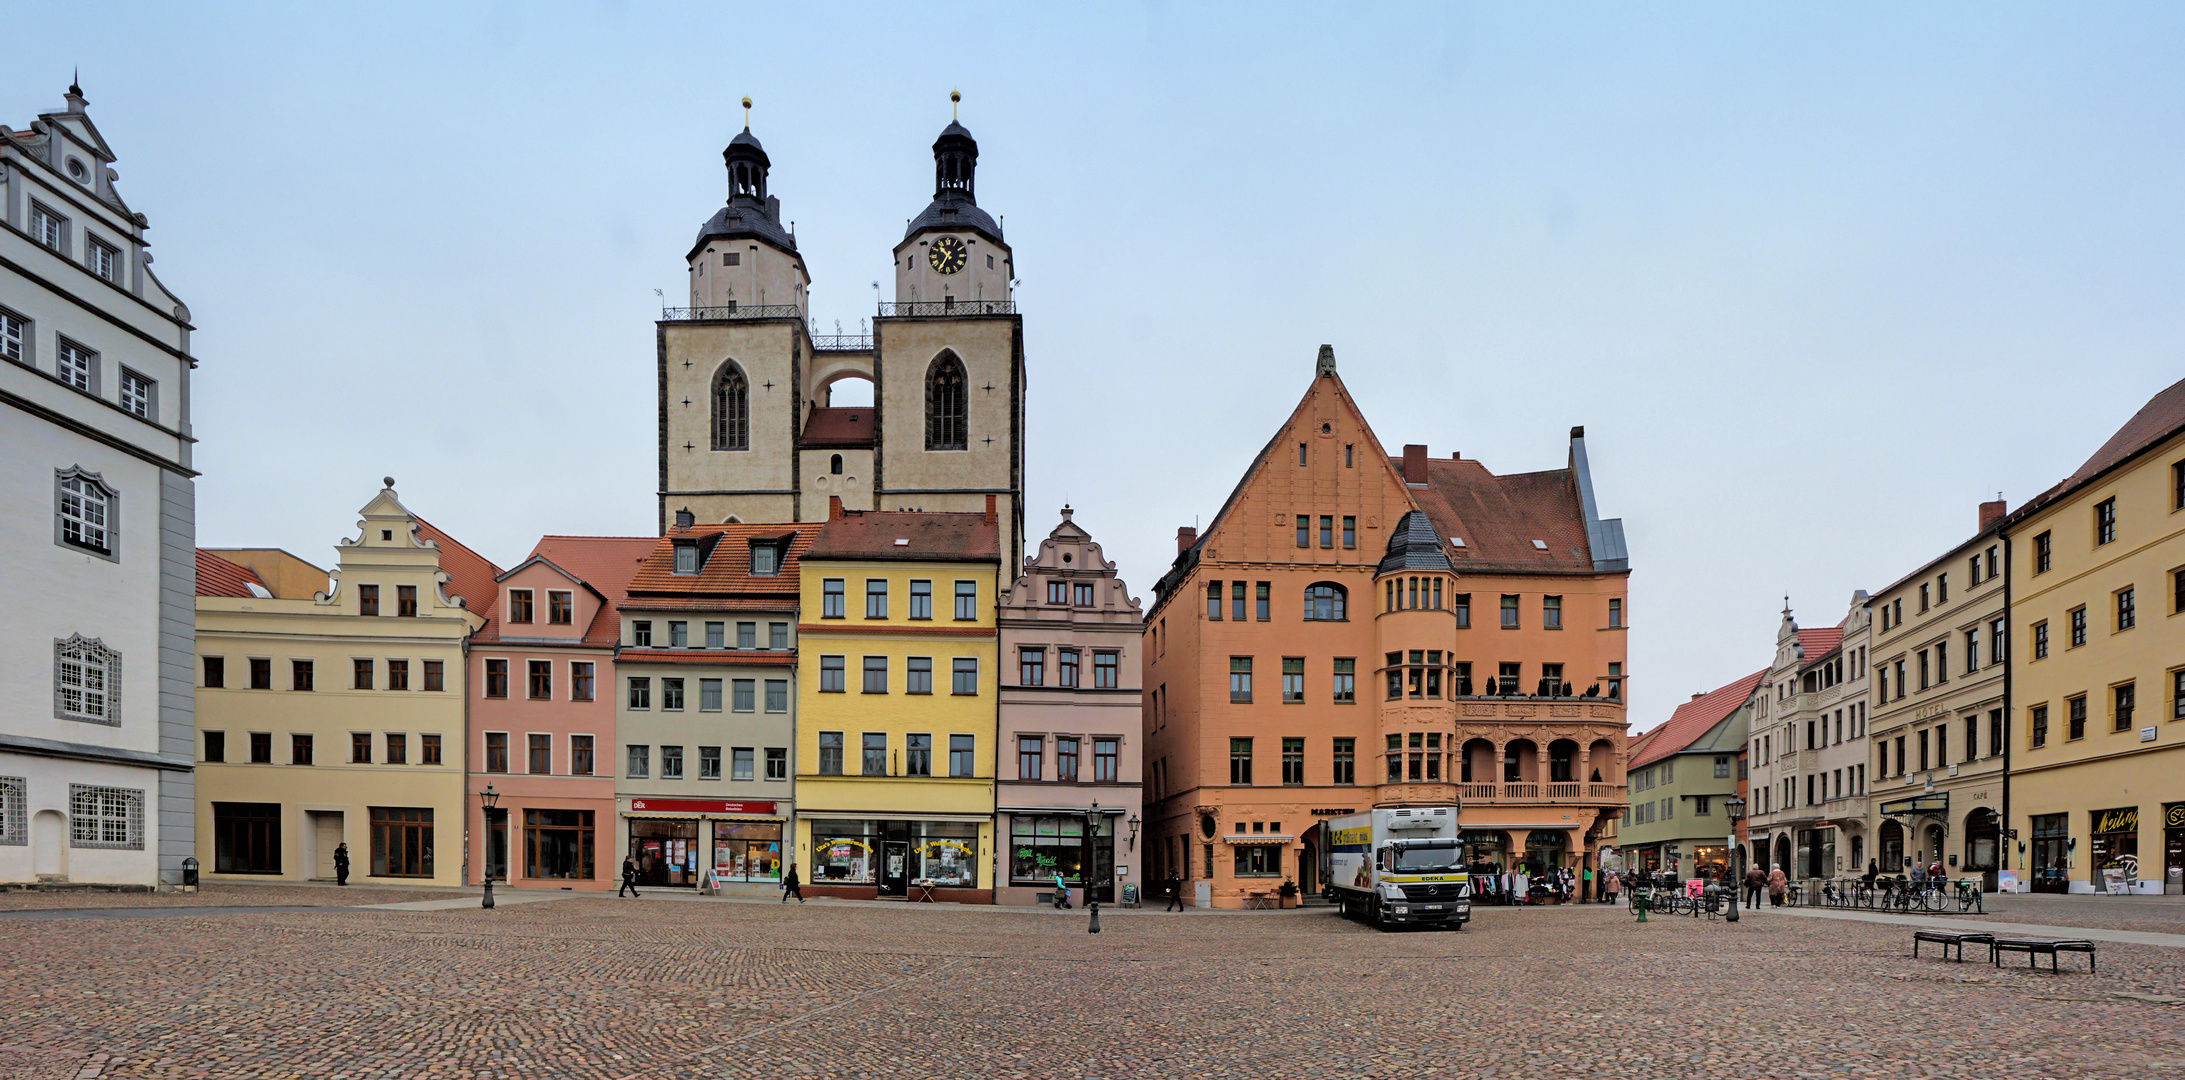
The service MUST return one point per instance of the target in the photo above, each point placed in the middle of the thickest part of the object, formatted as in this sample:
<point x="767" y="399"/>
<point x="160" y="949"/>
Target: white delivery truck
<point x="1399" y="867"/>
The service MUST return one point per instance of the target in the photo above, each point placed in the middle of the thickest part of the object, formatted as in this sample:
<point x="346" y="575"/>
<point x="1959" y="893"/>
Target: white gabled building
<point x="97" y="547"/>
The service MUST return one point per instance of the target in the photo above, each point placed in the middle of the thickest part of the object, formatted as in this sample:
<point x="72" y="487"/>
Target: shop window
<point x="559" y="845"/>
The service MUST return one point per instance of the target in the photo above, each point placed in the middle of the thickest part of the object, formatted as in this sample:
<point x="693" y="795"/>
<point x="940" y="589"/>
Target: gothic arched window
<point x="834" y="465"/>
<point x="731" y="410"/>
<point x="946" y="404"/>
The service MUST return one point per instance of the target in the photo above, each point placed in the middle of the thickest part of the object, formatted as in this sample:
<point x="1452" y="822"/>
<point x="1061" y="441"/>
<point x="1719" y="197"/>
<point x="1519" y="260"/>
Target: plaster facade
<point x="1070" y="732"/>
<point x="1681" y="778"/>
<point x="1807" y="750"/>
<point x="2098" y="754"/>
<point x="96" y="769"/>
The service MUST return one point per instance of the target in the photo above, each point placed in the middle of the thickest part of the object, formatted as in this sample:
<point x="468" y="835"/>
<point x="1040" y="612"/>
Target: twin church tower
<point x="747" y="431"/>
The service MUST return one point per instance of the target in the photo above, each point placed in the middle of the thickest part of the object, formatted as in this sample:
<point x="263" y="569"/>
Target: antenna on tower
<point x="954" y="96"/>
<point x="747" y="112"/>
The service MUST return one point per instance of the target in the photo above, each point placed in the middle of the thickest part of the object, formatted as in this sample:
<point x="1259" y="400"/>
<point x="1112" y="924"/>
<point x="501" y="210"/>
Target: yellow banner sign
<point x="2125" y="819"/>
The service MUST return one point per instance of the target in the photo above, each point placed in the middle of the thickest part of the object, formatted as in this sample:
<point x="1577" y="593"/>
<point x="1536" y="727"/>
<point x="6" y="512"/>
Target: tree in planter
<point x="1288" y="893"/>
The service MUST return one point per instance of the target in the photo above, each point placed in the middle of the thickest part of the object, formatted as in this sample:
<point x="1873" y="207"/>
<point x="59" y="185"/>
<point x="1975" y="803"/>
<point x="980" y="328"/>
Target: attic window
<point x="686" y="558"/>
<point x="902" y="543"/>
<point x="765" y="560"/>
<point x="1456" y="541"/>
<point x="1540" y="545"/>
<point x="386" y="534"/>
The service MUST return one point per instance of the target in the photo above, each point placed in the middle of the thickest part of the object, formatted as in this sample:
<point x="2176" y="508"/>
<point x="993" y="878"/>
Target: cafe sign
<point x="2125" y="819"/>
<point x="1938" y="803"/>
<point x="2173" y="815"/>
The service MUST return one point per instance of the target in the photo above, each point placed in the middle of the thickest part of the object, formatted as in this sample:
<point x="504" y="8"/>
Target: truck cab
<point x="1400" y="866"/>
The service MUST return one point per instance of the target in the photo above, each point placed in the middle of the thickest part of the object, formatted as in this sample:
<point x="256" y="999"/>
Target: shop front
<point x="2113" y="843"/>
<point x="1711" y="863"/>
<point x="929" y="858"/>
<point x="2173" y="848"/>
<point x="1816" y="854"/>
<point x="1045" y="845"/>
<point x="734" y="845"/>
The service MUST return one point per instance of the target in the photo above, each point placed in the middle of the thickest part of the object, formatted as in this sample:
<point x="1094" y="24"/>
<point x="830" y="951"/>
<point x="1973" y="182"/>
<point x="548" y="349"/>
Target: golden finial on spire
<point x="747" y="112"/>
<point x="954" y="96"/>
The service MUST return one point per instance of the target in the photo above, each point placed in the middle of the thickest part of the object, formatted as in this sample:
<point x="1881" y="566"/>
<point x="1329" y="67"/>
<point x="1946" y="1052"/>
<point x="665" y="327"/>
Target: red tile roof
<point x="1499" y="517"/>
<point x="934" y="536"/>
<point x="1695" y="718"/>
<point x="2160" y="418"/>
<point x="845" y="427"/>
<point x="218" y="577"/>
<point x="606" y="563"/>
<point x="1817" y="643"/>
<point x="726" y="571"/>
<point x="470" y="575"/>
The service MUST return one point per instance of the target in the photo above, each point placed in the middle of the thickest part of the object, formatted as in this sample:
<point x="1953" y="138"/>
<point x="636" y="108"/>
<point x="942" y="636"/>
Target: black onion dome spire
<point x="955" y="203"/>
<point x="1412" y="545"/>
<point x="751" y="212"/>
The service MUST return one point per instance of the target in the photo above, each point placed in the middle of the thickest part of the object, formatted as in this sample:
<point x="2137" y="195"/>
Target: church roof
<point x="955" y="210"/>
<point x="746" y="138"/>
<point x="838" y="428"/>
<point x="743" y="217"/>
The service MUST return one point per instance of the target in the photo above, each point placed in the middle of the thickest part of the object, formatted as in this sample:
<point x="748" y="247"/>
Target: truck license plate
<point x="1430" y="907"/>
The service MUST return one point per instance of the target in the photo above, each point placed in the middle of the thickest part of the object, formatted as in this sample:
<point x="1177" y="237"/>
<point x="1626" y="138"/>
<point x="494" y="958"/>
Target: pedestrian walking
<point x="1777" y="886"/>
<point x="791" y="885"/>
<point x="1873" y="870"/>
<point x="1611" y="882"/>
<point x="1919" y="875"/>
<point x="1175" y="887"/>
<point x="341" y="864"/>
<point x="1756" y="879"/>
<point x="629" y="877"/>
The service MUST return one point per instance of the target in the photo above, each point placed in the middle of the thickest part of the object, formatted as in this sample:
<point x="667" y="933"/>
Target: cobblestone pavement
<point x="591" y="987"/>
<point x="220" y="894"/>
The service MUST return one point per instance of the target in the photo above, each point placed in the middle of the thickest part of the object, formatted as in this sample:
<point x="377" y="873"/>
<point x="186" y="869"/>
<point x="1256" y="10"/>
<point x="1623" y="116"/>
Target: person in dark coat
<point x="791" y="886"/>
<point x="1175" y="887"/>
<point x="341" y="864"/>
<point x="629" y="877"/>
<point x="1756" y="879"/>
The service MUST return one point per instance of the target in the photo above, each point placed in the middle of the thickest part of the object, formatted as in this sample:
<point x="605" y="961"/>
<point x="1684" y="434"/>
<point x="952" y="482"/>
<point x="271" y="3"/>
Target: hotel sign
<point x="1938" y="803"/>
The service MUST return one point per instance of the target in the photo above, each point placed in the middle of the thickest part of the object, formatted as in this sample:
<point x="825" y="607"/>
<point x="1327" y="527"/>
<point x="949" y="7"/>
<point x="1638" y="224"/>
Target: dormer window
<point x="765" y="560"/>
<point x="560" y="608"/>
<point x="686" y="558"/>
<point x="519" y="605"/>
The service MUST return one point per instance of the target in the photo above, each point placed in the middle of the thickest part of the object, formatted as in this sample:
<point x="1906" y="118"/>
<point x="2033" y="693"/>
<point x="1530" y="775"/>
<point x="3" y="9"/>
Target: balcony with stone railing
<point x="1559" y="792"/>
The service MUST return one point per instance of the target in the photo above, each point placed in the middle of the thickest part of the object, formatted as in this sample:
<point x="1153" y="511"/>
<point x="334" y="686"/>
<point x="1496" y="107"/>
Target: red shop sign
<point x="702" y="806"/>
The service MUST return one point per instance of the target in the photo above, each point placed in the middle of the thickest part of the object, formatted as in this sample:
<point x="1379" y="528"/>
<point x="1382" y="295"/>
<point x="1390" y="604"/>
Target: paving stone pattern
<point x="222" y="894"/>
<point x="590" y="987"/>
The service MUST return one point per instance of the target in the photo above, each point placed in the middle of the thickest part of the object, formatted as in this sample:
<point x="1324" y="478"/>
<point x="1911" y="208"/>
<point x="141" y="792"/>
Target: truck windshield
<point x="1427" y="857"/>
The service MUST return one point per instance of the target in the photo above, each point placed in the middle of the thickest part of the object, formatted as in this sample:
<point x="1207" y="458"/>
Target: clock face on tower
<point x="948" y="255"/>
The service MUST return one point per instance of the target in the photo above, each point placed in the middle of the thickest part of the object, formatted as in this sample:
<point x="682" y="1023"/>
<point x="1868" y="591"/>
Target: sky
<point x="1816" y="278"/>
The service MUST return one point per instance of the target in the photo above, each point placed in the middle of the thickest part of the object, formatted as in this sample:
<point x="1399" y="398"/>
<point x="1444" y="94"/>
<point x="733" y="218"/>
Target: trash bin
<point x="189" y="872"/>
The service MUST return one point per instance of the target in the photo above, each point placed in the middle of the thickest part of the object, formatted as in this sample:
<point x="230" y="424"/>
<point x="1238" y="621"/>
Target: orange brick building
<point x="1357" y="630"/>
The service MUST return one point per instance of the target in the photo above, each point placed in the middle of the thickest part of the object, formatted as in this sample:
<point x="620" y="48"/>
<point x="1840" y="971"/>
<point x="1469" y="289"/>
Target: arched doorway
<point x="49" y="845"/>
<point x="1545" y="850"/>
<point x="1931" y="849"/>
<point x="1782" y="859"/>
<point x="1891" y="842"/>
<point x="1983" y="843"/>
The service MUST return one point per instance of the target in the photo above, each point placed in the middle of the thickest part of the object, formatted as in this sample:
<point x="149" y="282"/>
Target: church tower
<point x="747" y="428"/>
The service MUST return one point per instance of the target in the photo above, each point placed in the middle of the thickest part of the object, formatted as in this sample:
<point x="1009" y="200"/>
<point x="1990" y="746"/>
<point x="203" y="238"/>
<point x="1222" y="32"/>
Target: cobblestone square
<point x="666" y="988"/>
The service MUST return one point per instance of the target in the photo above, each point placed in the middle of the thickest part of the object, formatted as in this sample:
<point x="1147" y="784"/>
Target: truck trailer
<point x="1400" y="867"/>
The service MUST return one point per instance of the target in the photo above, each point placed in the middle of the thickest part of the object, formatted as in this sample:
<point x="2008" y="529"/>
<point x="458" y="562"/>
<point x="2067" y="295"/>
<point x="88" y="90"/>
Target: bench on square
<point x="2034" y="947"/>
<point x="1947" y="938"/>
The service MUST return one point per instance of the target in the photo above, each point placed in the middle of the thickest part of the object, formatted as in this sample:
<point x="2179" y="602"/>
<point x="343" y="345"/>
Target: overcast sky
<point x="1817" y="279"/>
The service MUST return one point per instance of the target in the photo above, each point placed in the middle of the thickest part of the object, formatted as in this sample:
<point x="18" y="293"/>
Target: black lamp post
<point x="487" y="799"/>
<point x="1089" y="862"/>
<point x="1735" y="807"/>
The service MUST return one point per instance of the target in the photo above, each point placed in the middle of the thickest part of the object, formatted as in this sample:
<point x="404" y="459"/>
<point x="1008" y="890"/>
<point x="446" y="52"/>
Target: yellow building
<point x="330" y="708"/>
<point x="897" y="706"/>
<point x="2097" y="585"/>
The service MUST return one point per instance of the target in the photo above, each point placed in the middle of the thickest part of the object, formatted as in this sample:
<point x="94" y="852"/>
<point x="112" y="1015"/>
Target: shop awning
<point x="1260" y="838"/>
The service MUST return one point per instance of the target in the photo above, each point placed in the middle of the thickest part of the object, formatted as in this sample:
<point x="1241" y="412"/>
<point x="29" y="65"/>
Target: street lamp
<point x="487" y="799"/>
<point x="1735" y="807"/>
<point x="1134" y="832"/>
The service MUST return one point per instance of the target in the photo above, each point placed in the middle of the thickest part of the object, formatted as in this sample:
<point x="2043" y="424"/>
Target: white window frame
<point x="105" y="817"/>
<point x="15" y="337"/>
<point x="86" y="681"/>
<point x="48" y="228"/>
<point x="79" y="524"/>
<point x="103" y="259"/>
<point x="77" y="365"/>
<point x="14" y="819"/>
<point x="139" y="395"/>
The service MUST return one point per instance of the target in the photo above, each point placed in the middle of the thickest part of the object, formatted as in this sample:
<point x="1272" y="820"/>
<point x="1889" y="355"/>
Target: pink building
<point x="1068" y="785"/>
<point x="542" y="715"/>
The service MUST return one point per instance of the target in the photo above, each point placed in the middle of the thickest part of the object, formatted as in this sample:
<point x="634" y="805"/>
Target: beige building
<point x="1807" y="750"/>
<point x="1938" y="733"/>
<point x="2097" y="581"/>
<point x="330" y="707"/>
<point x="748" y="431"/>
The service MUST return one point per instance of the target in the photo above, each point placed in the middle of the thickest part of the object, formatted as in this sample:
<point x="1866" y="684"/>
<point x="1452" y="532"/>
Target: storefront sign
<point x="701" y="806"/>
<point x="1333" y="813"/>
<point x="2125" y="819"/>
<point x="2173" y="815"/>
<point x="1938" y="803"/>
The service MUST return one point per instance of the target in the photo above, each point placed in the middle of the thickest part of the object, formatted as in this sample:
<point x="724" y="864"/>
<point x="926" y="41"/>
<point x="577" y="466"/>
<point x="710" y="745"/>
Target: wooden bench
<point x="2034" y="947"/>
<point x="1947" y="938"/>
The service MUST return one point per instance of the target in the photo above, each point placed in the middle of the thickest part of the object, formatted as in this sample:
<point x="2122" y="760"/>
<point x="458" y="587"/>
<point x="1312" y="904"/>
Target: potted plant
<point x="1288" y="893"/>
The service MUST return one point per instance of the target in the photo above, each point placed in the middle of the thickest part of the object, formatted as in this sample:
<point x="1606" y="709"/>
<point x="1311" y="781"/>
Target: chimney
<point x="1415" y="465"/>
<point x="989" y="509"/>
<point x="834" y="507"/>
<point x="684" y="519"/>
<point x="1696" y="697"/>
<point x="1185" y="537"/>
<point x="1990" y="513"/>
